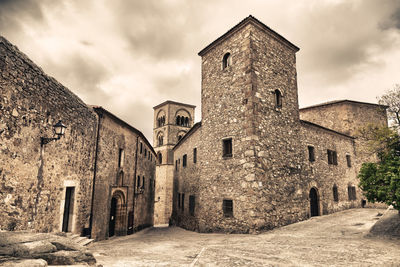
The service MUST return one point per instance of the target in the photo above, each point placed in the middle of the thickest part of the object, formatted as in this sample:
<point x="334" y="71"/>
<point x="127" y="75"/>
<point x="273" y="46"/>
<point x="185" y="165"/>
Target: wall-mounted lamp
<point x="59" y="130"/>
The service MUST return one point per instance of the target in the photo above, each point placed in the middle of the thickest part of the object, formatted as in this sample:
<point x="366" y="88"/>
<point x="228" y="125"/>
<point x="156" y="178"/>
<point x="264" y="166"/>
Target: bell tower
<point x="172" y="120"/>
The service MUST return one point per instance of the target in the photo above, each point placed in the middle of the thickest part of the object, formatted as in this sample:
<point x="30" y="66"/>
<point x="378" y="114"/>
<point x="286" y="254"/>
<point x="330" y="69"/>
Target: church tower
<point x="172" y="120"/>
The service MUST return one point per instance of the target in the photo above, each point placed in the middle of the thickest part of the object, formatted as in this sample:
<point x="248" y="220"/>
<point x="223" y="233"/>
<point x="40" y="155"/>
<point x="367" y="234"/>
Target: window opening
<point x="227" y="147"/>
<point x="227" y="207"/>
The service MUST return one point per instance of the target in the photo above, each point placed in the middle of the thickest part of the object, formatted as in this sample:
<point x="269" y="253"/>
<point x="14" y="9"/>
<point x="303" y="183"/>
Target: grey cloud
<point x="12" y="12"/>
<point x="82" y="75"/>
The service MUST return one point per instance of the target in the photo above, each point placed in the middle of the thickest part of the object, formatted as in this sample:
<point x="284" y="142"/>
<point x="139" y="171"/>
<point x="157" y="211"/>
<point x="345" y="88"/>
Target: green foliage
<point x="381" y="181"/>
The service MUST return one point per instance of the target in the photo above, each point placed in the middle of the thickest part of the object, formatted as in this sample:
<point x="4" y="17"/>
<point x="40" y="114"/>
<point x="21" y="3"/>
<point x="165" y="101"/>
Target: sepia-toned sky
<point x="130" y="55"/>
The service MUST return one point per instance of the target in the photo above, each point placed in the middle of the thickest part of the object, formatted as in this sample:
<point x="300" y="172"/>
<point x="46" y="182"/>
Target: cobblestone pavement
<point x="333" y="240"/>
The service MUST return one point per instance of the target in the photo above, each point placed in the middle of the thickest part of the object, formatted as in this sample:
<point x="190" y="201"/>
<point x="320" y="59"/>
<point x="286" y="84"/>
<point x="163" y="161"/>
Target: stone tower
<point x="172" y="120"/>
<point x="250" y="113"/>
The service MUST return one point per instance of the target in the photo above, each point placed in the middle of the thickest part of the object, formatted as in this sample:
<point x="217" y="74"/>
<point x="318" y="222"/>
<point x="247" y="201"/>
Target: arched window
<point x="226" y="61"/>
<point x="335" y="193"/>
<point x="182" y="121"/>
<point x="160" y="140"/>
<point x="187" y="122"/>
<point x="278" y="98"/>
<point x="159" y="158"/>
<point x="178" y="120"/>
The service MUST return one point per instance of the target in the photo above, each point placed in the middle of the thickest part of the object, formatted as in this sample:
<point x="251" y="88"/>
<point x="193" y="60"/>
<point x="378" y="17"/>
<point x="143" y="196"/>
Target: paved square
<point x="332" y="240"/>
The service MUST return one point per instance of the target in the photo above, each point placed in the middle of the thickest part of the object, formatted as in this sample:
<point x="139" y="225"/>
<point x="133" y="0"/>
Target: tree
<point x="392" y="99"/>
<point x="380" y="181"/>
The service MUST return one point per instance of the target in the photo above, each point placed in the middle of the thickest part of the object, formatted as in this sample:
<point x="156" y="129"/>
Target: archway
<point x="117" y="214"/>
<point x="314" y="202"/>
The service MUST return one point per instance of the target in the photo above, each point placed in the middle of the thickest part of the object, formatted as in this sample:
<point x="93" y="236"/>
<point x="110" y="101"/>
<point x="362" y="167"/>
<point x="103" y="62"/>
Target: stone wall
<point x="118" y="176"/>
<point x="33" y="178"/>
<point x="187" y="180"/>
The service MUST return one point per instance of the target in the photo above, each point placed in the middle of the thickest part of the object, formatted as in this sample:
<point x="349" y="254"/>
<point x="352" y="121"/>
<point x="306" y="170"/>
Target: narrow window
<point x="121" y="158"/>
<point x="145" y="152"/>
<point x="184" y="159"/>
<point x="227" y="148"/>
<point x="179" y="200"/>
<point x="332" y="157"/>
<point x="192" y="203"/>
<point x="335" y="193"/>
<point x="160" y="158"/>
<point x="227" y="207"/>
<point x="138" y="182"/>
<point x="226" y="61"/>
<point x="187" y="122"/>
<point x="194" y="155"/>
<point x="278" y="98"/>
<point x="143" y="182"/>
<point x="141" y="148"/>
<point x="351" y="191"/>
<point x="182" y="121"/>
<point x="348" y="159"/>
<point x="176" y="165"/>
<point x="178" y="120"/>
<point x="311" y="155"/>
<point x="183" y="202"/>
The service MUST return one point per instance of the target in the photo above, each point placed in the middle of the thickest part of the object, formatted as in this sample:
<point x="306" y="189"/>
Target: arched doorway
<point x="314" y="202"/>
<point x="117" y="214"/>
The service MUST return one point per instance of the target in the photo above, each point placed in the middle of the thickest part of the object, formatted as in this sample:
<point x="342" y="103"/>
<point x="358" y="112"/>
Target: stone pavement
<point x="338" y="239"/>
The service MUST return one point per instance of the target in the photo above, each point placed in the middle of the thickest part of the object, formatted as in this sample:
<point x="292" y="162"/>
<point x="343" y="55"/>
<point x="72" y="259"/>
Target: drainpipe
<point x="134" y="183"/>
<point x="94" y="172"/>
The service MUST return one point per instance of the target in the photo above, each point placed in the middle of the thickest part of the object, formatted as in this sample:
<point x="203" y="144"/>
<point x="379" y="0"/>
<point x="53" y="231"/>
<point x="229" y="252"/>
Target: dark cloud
<point x="12" y="12"/>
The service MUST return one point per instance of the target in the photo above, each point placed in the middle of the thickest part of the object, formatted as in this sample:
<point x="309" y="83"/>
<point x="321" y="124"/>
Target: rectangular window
<point x="141" y="148"/>
<point x="351" y="191"/>
<point x="335" y="194"/>
<point x="184" y="160"/>
<point x="311" y="154"/>
<point x="183" y="202"/>
<point x="138" y="182"/>
<point x="192" y="203"/>
<point x="227" y="207"/>
<point x="179" y="200"/>
<point x="176" y="165"/>
<point x="121" y="158"/>
<point x="194" y="155"/>
<point x="143" y="182"/>
<point x="348" y="159"/>
<point x="227" y="148"/>
<point x="332" y="157"/>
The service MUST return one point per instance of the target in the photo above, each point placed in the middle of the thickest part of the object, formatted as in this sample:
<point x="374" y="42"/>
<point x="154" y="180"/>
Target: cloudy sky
<point x="130" y="55"/>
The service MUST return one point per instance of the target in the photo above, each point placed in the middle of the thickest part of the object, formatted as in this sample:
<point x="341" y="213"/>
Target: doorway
<point x="68" y="209"/>
<point x="113" y="213"/>
<point x="314" y="202"/>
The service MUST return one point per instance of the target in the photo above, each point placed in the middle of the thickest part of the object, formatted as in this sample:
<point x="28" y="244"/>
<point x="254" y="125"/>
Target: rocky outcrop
<point x="38" y="249"/>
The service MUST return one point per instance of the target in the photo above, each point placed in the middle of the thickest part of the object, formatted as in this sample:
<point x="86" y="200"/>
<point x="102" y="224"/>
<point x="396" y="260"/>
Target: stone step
<point x="74" y="236"/>
<point x="86" y="241"/>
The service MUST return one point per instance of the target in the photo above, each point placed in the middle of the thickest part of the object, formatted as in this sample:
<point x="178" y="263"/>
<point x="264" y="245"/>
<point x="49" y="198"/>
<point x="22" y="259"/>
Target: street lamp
<point x="59" y="130"/>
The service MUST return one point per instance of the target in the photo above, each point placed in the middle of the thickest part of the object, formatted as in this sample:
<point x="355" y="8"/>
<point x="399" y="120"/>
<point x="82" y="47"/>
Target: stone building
<point x="124" y="178"/>
<point x="97" y="179"/>
<point x="172" y="121"/>
<point x="256" y="161"/>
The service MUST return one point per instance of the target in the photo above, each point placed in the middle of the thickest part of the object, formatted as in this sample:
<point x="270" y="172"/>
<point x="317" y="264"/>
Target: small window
<point x="194" y="155"/>
<point x="159" y="158"/>
<point x="184" y="160"/>
<point x="311" y="154"/>
<point x="226" y="61"/>
<point x="121" y="158"/>
<point x="178" y="120"/>
<point x="143" y="182"/>
<point x="179" y="200"/>
<point x="332" y="157"/>
<point x="348" y="159"/>
<point x="351" y="191"/>
<point x="141" y="148"/>
<point x="138" y="182"/>
<point x="176" y="165"/>
<point x="335" y="193"/>
<point x="227" y="207"/>
<point x="192" y="203"/>
<point x="227" y="148"/>
<point x="278" y="98"/>
<point x="145" y="152"/>
<point x="183" y="202"/>
<point x="160" y="140"/>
